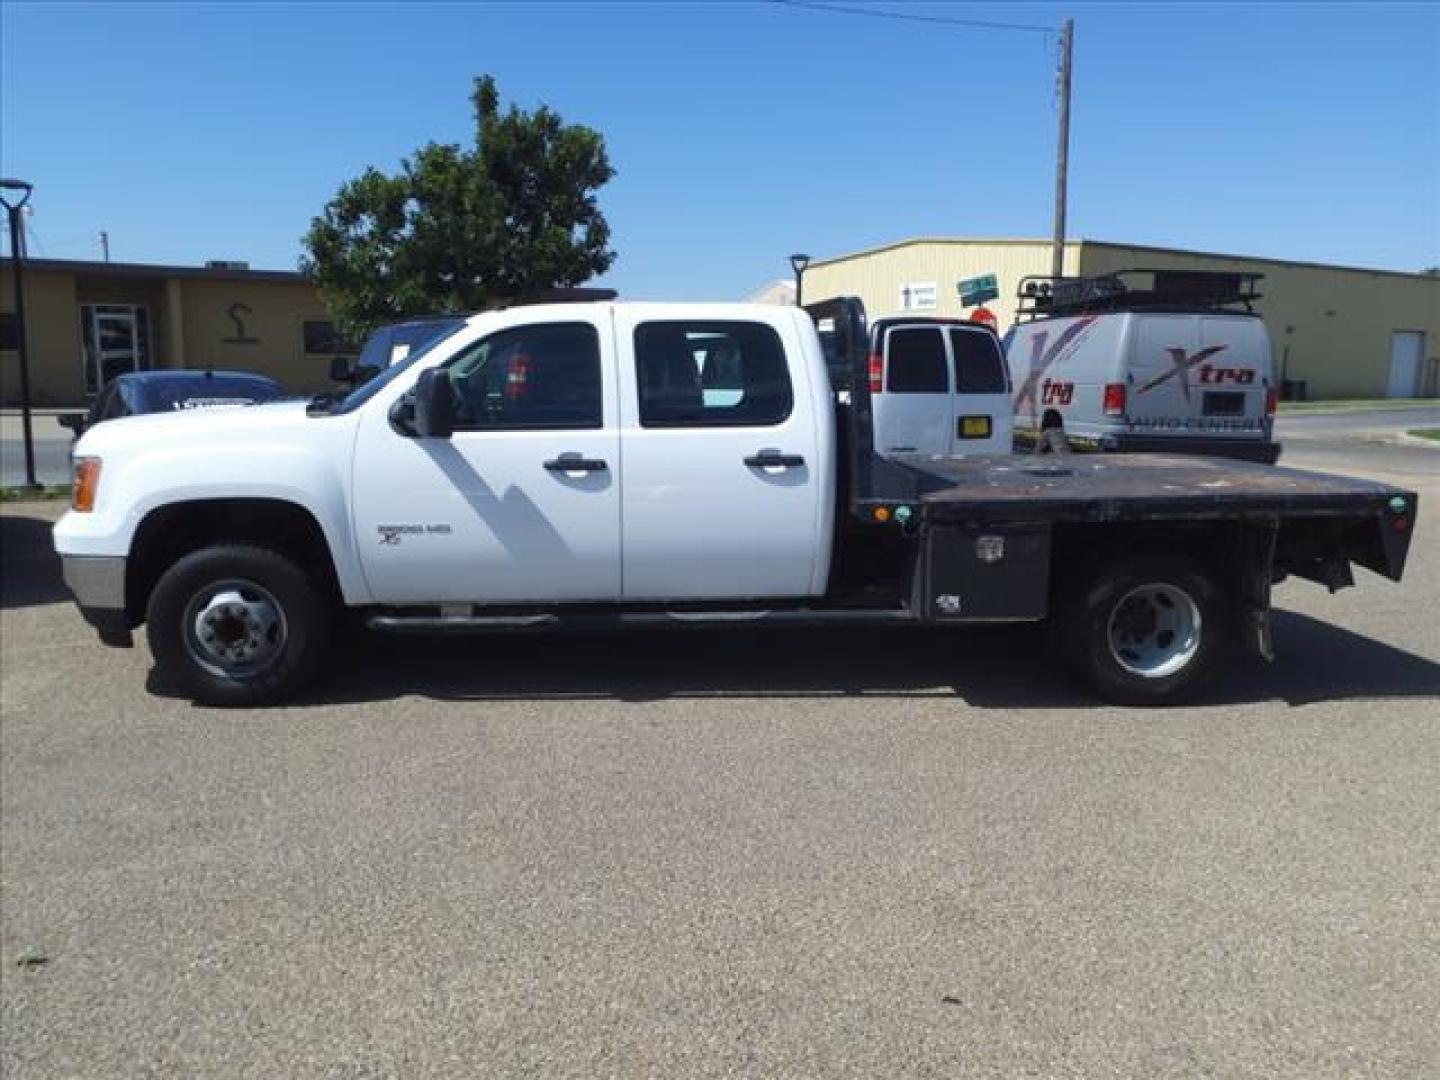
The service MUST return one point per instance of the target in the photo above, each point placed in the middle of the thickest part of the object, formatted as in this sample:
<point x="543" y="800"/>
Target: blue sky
<point x="741" y="131"/>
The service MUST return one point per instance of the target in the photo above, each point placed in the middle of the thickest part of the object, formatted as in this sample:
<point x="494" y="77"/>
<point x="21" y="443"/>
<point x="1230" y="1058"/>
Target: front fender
<point x="313" y="475"/>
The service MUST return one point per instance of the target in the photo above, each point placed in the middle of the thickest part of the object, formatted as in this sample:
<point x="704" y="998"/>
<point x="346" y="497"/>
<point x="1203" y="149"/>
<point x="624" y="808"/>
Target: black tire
<point x="1053" y="441"/>
<point x="288" y="649"/>
<point x="1124" y="596"/>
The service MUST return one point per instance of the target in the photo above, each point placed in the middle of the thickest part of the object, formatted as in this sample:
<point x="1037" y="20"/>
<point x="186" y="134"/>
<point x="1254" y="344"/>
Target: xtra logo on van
<point x="1041" y="360"/>
<point x="1182" y="363"/>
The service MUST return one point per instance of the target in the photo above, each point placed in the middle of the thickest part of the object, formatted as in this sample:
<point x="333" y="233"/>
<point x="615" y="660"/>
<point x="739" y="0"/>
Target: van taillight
<point x="1114" y="399"/>
<point x="877" y="372"/>
<point x="1272" y="401"/>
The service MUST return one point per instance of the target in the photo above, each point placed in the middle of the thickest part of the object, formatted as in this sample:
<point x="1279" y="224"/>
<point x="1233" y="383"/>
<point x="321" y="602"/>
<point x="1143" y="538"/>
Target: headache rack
<point x="1044" y="296"/>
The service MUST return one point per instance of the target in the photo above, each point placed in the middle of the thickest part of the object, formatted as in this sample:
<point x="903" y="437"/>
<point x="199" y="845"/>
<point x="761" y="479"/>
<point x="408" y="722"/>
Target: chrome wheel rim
<point x="235" y="629"/>
<point x="1154" y="630"/>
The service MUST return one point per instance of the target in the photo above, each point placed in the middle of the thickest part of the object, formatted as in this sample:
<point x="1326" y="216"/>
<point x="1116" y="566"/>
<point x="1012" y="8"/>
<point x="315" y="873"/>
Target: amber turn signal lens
<point x="84" y="483"/>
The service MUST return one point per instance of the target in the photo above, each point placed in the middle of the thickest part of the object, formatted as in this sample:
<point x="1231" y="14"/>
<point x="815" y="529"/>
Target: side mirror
<point x="341" y="369"/>
<point x="434" y="405"/>
<point x="75" y="421"/>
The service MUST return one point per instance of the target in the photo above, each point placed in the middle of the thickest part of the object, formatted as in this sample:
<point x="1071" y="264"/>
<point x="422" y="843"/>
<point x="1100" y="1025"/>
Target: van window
<point x="979" y="367"/>
<point x="711" y="374"/>
<point x="915" y="362"/>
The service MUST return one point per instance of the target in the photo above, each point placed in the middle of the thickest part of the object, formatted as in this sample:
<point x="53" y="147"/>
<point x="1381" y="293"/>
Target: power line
<point x="844" y="9"/>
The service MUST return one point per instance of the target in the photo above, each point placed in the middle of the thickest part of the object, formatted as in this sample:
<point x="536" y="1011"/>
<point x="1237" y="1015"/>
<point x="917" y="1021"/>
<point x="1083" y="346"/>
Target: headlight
<point x="83" y="484"/>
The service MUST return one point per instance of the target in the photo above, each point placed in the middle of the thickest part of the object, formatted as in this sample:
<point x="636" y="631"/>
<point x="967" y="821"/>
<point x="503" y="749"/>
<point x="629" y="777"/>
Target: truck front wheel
<point x="1146" y="630"/>
<point x="237" y="625"/>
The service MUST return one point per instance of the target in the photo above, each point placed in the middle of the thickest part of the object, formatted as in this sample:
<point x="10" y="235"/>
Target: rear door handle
<point x="769" y="459"/>
<point x="575" y="463"/>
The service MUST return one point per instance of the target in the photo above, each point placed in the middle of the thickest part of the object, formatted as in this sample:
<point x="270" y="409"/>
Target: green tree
<point x="457" y="229"/>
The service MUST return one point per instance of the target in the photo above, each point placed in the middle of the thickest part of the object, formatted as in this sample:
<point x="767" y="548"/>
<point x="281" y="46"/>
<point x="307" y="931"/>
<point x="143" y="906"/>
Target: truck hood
<point x="191" y="426"/>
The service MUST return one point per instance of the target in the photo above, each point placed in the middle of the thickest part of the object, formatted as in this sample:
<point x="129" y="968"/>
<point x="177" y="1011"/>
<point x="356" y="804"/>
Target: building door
<point x="1406" y="349"/>
<point x="116" y="339"/>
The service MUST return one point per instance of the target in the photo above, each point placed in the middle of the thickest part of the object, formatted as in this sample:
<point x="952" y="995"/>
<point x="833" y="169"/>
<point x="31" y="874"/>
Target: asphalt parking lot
<point x="726" y="853"/>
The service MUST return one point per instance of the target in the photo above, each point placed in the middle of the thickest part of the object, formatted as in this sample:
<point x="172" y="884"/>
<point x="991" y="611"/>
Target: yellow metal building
<point x="89" y="321"/>
<point x="1343" y="331"/>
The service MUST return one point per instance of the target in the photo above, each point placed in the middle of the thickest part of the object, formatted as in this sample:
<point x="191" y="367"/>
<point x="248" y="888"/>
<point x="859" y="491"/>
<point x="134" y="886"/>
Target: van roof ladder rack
<point x="1043" y="295"/>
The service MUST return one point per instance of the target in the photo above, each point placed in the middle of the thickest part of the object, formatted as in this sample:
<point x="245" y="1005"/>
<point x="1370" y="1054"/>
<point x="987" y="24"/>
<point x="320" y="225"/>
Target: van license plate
<point x="1223" y="404"/>
<point x="974" y="427"/>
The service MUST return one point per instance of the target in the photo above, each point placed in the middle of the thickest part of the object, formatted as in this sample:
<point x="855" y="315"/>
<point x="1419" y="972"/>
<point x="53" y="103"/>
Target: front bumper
<point x="98" y="584"/>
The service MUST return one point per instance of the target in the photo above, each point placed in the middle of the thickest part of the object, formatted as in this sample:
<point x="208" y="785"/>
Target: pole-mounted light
<point x="798" y="263"/>
<point x="17" y="254"/>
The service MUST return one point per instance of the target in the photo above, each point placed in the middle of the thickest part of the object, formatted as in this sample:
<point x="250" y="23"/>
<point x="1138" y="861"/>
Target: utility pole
<point x="1062" y="148"/>
<point x="15" y="212"/>
<point x="105" y="245"/>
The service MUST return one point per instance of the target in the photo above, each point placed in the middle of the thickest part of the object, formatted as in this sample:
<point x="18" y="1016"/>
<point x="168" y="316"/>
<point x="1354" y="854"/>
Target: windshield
<point x="363" y="393"/>
<point x="392" y="344"/>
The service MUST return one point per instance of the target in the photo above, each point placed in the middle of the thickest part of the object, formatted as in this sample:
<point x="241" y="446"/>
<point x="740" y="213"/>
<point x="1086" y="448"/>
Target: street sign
<point x="918" y="295"/>
<point x="977" y="290"/>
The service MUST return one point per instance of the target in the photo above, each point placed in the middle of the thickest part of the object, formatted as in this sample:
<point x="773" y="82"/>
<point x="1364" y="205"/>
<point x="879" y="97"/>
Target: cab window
<point x="543" y="376"/>
<point x="709" y="374"/>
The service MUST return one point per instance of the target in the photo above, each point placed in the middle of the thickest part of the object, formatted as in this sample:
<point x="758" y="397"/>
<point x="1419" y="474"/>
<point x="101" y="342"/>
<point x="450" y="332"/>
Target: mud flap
<point x="1257" y="574"/>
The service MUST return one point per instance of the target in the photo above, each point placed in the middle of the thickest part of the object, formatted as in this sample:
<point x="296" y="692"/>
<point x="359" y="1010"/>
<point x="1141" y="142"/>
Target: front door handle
<point x="771" y="459"/>
<point x="575" y="463"/>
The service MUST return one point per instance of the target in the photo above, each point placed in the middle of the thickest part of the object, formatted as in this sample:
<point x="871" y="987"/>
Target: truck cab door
<point x="522" y="502"/>
<point x="728" y="477"/>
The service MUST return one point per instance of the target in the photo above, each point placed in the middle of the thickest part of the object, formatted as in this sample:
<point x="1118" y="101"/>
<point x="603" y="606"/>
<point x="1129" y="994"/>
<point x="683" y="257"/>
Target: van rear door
<point x="914" y="411"/>
<point x="982" y="421"/>
<point x="1235" y="380"/>
<point x="1162" y="384"/>
<point x="1198" y="375"/>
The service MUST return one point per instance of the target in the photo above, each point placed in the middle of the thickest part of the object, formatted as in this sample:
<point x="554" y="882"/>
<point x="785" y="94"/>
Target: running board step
<point x="598" y="620"/>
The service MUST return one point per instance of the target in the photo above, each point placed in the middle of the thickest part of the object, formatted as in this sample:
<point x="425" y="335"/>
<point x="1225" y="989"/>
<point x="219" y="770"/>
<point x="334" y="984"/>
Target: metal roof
<point x="1073" y="242"/>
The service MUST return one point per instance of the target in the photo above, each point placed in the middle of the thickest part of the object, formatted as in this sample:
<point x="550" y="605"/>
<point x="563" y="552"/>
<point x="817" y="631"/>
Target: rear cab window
<point x="711" y="374"/>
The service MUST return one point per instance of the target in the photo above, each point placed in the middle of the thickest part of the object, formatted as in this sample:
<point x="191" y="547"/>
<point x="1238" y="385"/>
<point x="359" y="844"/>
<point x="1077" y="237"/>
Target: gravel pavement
<point x="725" y="853"/>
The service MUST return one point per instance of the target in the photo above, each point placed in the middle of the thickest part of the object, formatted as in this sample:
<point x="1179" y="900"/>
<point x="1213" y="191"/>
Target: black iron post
<point x="17" y="257"/>
<point x="798" y="263"/>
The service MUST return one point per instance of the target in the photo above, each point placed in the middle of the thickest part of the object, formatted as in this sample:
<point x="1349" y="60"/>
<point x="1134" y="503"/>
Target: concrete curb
<point x="1406" y="439"/>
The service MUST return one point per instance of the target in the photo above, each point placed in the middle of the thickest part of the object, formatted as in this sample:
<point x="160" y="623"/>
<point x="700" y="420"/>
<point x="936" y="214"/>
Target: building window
<point x="9" y="331"/>
<point x="323" y="339"/>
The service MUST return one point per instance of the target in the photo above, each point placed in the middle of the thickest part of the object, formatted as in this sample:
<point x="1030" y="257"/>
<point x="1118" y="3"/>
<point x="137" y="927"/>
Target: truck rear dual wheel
<point x="1146" y="630"/>
<point x="237" y="625"/>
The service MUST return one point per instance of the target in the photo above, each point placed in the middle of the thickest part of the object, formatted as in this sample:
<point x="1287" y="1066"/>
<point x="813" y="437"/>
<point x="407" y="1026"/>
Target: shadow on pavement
<point x="995" y="667"/>
<point x="29" y="567"/>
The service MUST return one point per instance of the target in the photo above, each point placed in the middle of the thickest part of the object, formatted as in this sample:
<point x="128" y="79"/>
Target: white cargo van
<point x="938" y="386"/>
<point x="1146" y="360"/>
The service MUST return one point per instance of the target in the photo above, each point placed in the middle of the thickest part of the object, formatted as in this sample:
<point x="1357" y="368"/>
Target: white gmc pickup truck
<point x="615" y="463"/>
